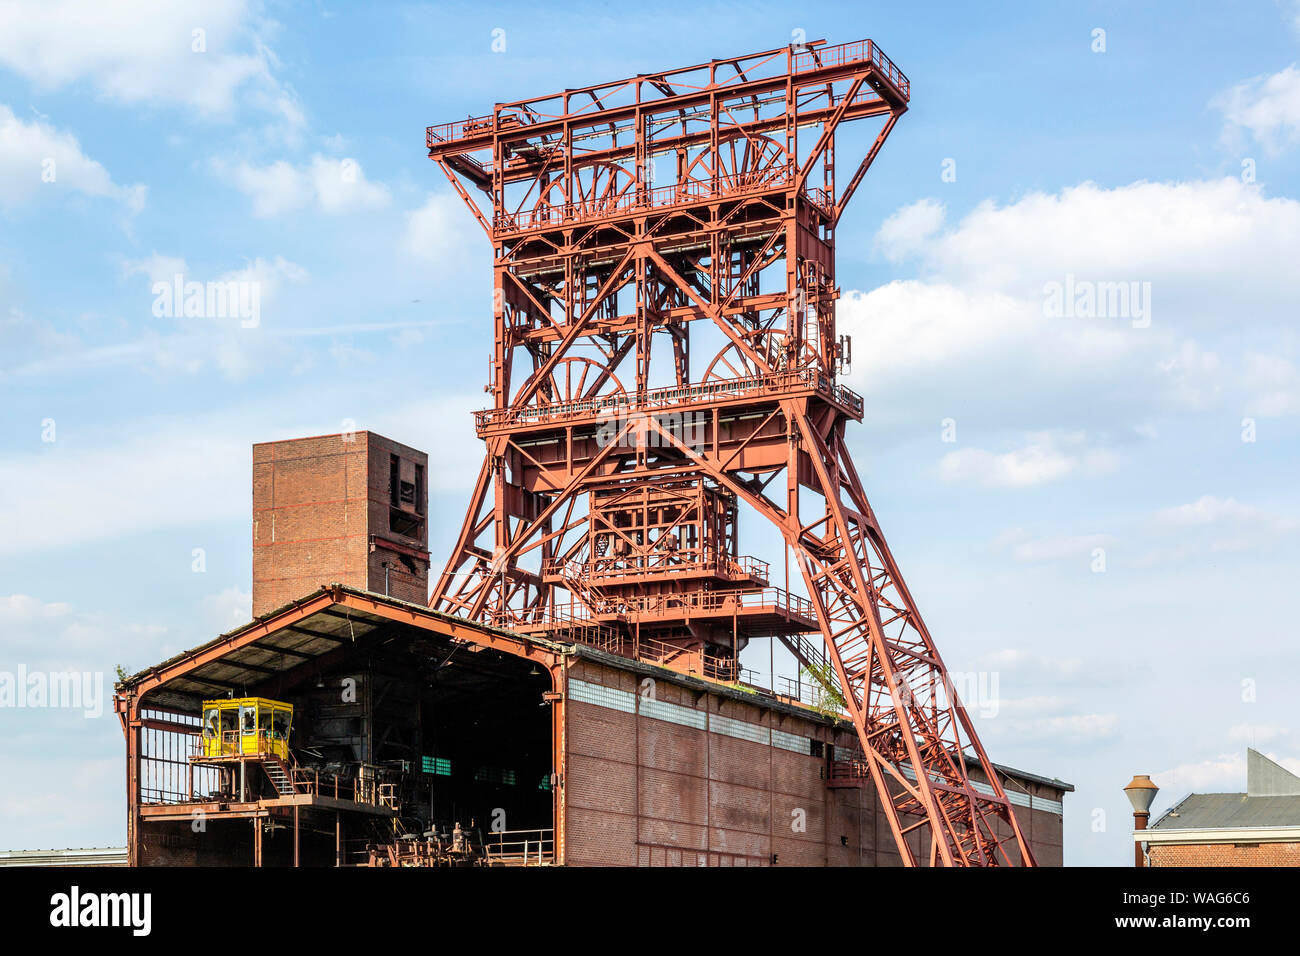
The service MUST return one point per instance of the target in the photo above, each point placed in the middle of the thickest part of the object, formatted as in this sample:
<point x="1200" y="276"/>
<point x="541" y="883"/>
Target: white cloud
<point x="906" y="232"/>
<point x="1267" y="107"/>
<point x="1192" y="375"/>
<point x="274" y="189"/>
<point x="1047" y="457"/>
<point x="1213" y="526"/>
<point x="227" y="609"/>
<point x="156" y="267"/>
<point x="1261" y="735"/>
<point x="1022" y="547"/>
<point x="25" y="609"/>
<point x="1224" y="773"/>
<point x="174" y="475"/>
<point x="37" y="160"/>
<point x="1207" y="510"/>
<point x="1037" y="672"/>
<point x="71" y="494"/>
<point x="1273" y="383"/>
<point x="192" y="344"/>
<point x="1039" y="706"/>
<point x="147" y="52"/>
<point x="974" y="320"/>
<point x="55" y="636"/>
<point x="341" y="186"/>
<point x="437" y="229"/>
<point x="270" y="274"/>
<point x="56" y="800"/>
<point x="1031" y="720"/>
<point x="335" y="186"/>
<point x="1204" y="231"/>
<point x="909" y="325"/>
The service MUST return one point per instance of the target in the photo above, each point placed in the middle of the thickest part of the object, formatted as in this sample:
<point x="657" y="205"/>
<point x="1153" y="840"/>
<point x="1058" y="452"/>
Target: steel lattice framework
<point x="607" y="505"/>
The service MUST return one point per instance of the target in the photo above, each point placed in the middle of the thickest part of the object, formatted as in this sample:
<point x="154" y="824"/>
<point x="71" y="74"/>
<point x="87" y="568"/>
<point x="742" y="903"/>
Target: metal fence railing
<point x="520" y="847"/>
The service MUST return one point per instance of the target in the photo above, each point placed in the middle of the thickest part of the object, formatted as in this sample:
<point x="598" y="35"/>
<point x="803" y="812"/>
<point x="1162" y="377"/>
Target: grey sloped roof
<point x="1199" y="811"/>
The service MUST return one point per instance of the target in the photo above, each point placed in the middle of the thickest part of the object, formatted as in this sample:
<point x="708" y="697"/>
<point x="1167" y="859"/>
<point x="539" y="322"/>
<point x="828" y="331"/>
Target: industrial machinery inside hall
<point x="665" y="357"/>
<point x="348" y="743"/>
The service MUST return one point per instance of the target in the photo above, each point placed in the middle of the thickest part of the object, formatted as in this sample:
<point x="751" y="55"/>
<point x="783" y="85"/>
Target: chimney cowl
<point x="1141" y="793"/>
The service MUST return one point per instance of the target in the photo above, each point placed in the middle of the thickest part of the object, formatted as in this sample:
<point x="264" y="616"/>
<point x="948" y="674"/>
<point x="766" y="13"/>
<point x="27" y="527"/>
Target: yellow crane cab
<point x="245" y="727"/>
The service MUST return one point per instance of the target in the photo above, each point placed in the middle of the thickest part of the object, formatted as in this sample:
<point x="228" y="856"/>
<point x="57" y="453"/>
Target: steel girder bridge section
<point x="622" y="216"/>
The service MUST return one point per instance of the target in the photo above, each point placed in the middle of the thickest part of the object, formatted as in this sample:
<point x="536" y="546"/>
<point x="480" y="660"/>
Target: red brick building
<point x="412" y="727"/>
<point x="350" y="508"/>
<point x="585" y="757"/>
<point x="1260" y="827"/>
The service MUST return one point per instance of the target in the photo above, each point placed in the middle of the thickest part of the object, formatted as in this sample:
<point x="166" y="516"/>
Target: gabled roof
<point x="334" y="619"/>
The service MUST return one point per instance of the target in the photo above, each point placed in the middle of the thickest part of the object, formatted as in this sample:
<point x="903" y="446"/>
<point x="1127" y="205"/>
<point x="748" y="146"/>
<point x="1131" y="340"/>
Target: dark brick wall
<point x="649" y="792"/>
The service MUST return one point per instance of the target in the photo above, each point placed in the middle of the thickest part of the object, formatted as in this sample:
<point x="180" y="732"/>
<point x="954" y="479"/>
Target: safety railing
<point x="467" y="128"/>
<point x="577" y="623"/>
<point x="368" y="787"/>
<point x="659" y="652"/>
<point x="520" y="847"/>
<point x="239" y="743"/>
<point x="858" y="51"/>
<point x="847" y="771"/>
<point x="822" y="199"/>
<point x="312" y="781"/>
<point x="669" y="396"/>
<point x="797" y="688"/>
<point x="671" y="605"/>
<point x="815" y="58"/>
<point x="774" y="177"/>
<point x="663" y="653"/>
<point x="684" y="561"/>
<point x="563" y="622"/>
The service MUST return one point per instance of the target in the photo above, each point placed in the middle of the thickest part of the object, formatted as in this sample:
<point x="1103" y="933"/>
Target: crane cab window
<point x="280" y="723"/>
<point x="246" y="726"/>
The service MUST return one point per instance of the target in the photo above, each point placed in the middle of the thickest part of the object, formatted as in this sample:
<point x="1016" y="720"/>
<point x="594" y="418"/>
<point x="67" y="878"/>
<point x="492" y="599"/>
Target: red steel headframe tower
<point x="697" y="209"/>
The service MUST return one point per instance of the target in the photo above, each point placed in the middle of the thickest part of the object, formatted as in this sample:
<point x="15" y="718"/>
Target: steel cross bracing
<point x="697" y="209"/>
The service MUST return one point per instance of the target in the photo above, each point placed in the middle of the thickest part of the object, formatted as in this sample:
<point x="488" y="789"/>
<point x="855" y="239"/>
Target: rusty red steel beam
<point x="488" y="128"/>
<point x="698" y="249"/>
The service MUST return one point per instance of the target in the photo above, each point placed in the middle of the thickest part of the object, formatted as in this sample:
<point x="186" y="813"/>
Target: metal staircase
<point x="279" y="776"/>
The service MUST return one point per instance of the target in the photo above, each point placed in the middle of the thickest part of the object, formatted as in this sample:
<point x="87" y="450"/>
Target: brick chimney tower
<point x="349" y="509"/>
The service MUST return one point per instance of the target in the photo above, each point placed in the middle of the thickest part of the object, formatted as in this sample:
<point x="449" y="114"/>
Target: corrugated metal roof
<point x="1199" y="811"/>
<point x="285" y="646"/>
<point x="87" y="856"/>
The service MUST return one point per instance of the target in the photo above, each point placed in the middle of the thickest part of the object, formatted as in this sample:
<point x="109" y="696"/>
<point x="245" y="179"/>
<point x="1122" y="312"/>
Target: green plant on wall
<point x="827" y="698"/>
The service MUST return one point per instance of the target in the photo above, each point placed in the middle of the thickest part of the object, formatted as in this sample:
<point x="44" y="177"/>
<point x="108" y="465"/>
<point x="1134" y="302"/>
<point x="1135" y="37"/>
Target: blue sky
<point x="289" y="152"/>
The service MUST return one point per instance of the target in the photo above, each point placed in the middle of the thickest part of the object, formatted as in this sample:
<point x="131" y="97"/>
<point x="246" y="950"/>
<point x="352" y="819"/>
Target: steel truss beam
<point x="599" y="252"/>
